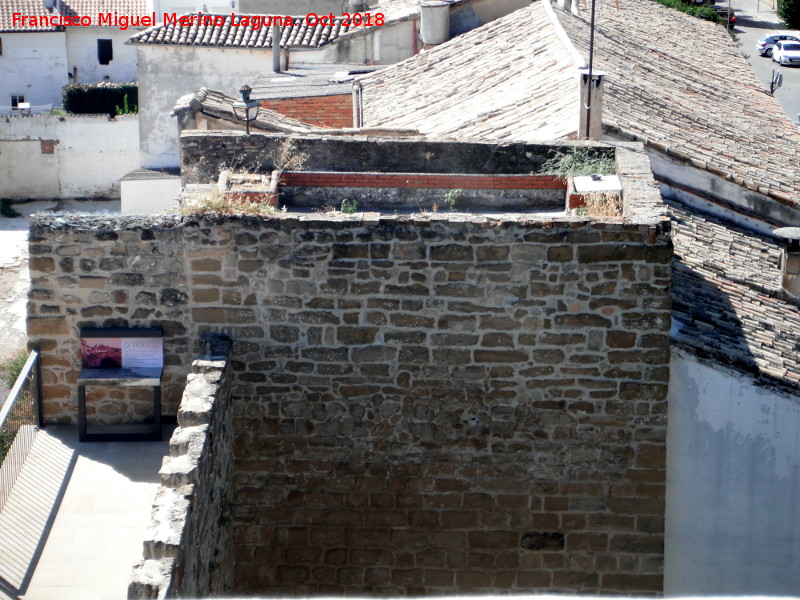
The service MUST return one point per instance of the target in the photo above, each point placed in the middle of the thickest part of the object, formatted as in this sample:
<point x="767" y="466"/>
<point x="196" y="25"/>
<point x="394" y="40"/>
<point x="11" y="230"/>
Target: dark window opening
<point x="16" y="100"/>
<point x="105" y="53"/>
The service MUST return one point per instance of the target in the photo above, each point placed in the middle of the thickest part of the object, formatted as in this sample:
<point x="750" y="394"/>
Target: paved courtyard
<point x="74" y="524"/>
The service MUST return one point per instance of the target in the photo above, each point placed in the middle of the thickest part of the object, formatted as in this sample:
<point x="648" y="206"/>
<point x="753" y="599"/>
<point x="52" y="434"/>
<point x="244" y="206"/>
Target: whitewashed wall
<point x="90" y="155"/>
<point x="168" y="72"/>
<point x="82" y="53"/>
<point x="33" y="64"/>
<point x="733" y="485"/>
<point x="296" y="7"/>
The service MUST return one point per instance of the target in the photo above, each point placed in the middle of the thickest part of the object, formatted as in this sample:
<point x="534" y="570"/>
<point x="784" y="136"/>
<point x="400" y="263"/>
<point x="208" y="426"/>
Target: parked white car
<point x="786" y="52"/>
<point x="766" y="43"/>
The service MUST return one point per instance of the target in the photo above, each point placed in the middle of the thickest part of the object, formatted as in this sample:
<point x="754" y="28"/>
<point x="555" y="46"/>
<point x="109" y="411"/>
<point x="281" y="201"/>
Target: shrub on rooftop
<point x="101" y="98"/>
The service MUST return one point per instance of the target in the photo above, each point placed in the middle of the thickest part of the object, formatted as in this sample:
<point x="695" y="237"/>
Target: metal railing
<point x="20" y="419"/>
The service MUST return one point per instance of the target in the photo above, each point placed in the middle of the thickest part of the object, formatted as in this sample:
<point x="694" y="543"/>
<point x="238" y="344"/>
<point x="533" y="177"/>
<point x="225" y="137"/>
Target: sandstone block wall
<point x="450" y="406"/>
<point x="106" y="273"/>
<point x="188" y="545"/>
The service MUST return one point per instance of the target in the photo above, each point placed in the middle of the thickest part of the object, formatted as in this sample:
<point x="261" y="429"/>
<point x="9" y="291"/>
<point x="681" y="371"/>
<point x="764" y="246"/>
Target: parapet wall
<point x="188" y="549"/>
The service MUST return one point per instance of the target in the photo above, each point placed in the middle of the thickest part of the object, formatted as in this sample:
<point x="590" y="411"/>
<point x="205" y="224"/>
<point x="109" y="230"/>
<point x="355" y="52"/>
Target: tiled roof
<point x="727" y="302"/>
<point x="701" y="102"/>
<point x="513" y="79"/>
<point x="90" y="8"/>
<point x="218" y="105"/>
<point x="230" y="35"/>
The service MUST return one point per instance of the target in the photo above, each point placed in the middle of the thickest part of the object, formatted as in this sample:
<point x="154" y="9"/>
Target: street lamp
<point x="245" y="108"/>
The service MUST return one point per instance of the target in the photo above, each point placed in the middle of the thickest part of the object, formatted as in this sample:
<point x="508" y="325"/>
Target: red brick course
<point x="334" y="111"/>
<point x="426" y="180"/>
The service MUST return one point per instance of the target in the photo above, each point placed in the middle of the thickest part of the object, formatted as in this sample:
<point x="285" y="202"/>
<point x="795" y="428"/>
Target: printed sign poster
<point x="102" y="353"/>
<point x="116" y="353"/>
<point x="142" y="352"/>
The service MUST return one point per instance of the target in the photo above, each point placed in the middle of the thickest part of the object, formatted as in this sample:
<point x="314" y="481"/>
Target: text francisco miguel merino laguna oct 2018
<point x="123" y="22"/>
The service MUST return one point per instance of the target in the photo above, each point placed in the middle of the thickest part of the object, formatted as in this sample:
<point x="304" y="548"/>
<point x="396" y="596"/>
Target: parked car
<point x="766" y="44"/>
<point x="786" y="52"/>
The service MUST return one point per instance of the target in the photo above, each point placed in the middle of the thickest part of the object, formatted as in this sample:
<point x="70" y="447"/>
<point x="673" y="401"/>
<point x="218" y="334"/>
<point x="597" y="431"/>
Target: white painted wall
<point x="82" y="53"/>
<point x="295" y="7"/>
<point x="91" y="155"/>
<point x="382" y="45"/>
<point x="27" y="173"/>
<point x="33" y="64"/>
<point x="733" y="485"/>
<point x="489" y="10"/>
<point x="168" y="72"/>
<point x="149" y="196"/>
<point x="181" y="7"/>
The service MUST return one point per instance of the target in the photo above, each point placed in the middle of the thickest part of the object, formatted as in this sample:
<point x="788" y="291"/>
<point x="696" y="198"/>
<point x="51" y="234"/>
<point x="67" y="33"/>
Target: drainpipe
<point x="276" y="48"/>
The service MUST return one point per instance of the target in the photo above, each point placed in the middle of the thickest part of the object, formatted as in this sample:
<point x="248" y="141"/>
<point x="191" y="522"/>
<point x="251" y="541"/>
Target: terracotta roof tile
<point x="217" y="104"/>
<point x="90" y="8"/>
<point x="220" y="31"/>
<point x="706" y="106"/>
<point x="513" y="79"/>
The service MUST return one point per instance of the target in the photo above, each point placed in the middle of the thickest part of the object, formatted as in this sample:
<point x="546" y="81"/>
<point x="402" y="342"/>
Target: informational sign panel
<point x="122" y="352"/>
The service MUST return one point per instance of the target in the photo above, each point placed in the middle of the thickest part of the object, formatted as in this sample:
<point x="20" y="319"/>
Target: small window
<point x="105" y="53"/>
<point x="16" y="100"/>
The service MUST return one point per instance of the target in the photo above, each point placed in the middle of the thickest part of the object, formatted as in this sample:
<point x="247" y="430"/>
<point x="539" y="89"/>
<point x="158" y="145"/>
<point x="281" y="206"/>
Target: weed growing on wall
<point x="215" y="201"/>
<point x="603" y="204"/>
<point x="289" y="158"/>
<point x="349" y="206"/>
<point x="451" y="197"/>
<point x="578" y="161"/>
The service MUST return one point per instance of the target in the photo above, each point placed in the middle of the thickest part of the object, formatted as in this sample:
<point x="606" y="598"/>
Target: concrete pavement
<point x="755" y="18"/>
<point x="74" y="524"/>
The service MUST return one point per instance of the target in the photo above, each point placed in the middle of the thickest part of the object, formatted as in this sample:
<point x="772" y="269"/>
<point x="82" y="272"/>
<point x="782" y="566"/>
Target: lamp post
<point x="245" y="108"/>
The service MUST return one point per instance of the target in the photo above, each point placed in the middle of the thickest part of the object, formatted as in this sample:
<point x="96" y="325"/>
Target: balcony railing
<point x="20" y="419"/>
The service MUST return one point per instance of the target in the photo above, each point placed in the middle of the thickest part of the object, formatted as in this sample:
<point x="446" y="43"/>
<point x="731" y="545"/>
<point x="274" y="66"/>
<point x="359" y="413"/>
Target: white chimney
<point x="591" y="104"/>
<point x="435" y="22"/>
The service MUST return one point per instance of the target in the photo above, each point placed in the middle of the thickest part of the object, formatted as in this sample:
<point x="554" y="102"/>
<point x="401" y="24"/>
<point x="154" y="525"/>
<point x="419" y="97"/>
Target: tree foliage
<point x="789" y="13"/>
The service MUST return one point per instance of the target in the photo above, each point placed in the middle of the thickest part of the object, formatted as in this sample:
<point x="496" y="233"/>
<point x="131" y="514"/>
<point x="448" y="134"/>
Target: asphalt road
<point x="754" y="18"/>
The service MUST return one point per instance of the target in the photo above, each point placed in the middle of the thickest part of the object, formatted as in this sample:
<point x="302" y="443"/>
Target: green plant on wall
<point x="579" y="161"/>
<point x="451" y="197"/>
<point x="349" y="206"/>
<point x="126" y="109"/>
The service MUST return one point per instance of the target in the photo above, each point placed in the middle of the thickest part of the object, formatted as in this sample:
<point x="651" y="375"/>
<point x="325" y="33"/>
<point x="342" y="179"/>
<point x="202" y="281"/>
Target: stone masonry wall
<point x="452" y="405"/>
<point x="95" y="272"/>
<point x="188" y="545"/>
<point x="422" y="404"/>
